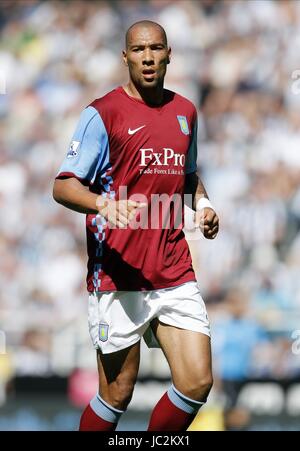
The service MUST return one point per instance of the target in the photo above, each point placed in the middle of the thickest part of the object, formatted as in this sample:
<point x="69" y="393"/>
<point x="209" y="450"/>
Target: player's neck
<point x="150" y="96"/>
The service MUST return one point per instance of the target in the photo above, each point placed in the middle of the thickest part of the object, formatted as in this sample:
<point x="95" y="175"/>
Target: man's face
<point x="147" y="56"/>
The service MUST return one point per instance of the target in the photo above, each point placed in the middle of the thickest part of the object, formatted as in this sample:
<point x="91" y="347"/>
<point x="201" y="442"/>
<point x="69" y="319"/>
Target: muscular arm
<point x="206" y="218"/>
<point x="71" y="193"/>
<point x="195" y="188"/>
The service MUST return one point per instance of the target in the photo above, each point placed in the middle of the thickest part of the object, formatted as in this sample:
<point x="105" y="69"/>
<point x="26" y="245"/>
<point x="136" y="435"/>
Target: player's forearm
<point x="195" y="188"/>
<point x="72" y="194"/>
<point x="200" y="193"/>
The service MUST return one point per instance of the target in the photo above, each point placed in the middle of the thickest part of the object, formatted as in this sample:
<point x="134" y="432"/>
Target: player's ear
<point x="125" y="57"/>
<point x="169" y="55"/>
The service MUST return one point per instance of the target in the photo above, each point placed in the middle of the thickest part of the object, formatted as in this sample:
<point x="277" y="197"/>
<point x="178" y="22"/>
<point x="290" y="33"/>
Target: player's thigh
<point x="188" y="354"/>
<point x="118" y="371"/>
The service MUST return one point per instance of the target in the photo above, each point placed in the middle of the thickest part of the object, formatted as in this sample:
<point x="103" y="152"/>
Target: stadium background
<point x="235" y="60"/>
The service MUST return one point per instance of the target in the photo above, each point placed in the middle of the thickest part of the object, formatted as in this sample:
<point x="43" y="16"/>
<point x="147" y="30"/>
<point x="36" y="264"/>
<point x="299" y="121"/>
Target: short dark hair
<point x="145" y="23"/>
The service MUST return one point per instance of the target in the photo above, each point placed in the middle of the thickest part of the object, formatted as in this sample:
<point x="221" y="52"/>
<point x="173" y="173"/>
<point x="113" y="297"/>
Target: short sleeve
<point x="88" y="154"/>
<point x="191" y="159"/>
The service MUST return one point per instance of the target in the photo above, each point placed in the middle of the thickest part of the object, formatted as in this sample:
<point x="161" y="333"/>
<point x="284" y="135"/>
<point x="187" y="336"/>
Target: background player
<point x="140" y="277"/>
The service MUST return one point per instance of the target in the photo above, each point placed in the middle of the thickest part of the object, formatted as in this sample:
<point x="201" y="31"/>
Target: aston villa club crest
<point x="184" y="127"/>
<point x="103" y="332"/>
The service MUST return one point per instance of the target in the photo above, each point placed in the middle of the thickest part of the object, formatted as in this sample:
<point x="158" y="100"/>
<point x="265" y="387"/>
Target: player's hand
<point x="118" y="213"/>
<point x="208" y="222"/>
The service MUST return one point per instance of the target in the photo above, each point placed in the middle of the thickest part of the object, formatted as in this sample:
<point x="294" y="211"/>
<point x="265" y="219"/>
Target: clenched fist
<point x="208" y="222"/>
<point x="118" y="213"/>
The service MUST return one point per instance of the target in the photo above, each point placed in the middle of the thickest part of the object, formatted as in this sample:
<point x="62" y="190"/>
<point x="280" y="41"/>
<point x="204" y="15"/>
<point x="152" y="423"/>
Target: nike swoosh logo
<point x="132" y="132"/>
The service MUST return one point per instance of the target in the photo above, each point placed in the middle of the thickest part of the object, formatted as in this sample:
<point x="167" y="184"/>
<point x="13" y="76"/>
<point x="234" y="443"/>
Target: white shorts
<point x="119" y="319"/>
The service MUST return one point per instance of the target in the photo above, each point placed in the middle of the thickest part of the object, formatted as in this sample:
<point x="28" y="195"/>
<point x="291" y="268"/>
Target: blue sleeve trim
<point x="88" y="154"/>
<point x="191" y="160"/>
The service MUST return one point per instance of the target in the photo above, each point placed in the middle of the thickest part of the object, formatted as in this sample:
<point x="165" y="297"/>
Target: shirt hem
<point x="155" y="287"/>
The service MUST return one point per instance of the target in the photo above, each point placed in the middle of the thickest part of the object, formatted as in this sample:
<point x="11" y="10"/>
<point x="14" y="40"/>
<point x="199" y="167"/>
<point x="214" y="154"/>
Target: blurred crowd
<point x="235" y="60"/>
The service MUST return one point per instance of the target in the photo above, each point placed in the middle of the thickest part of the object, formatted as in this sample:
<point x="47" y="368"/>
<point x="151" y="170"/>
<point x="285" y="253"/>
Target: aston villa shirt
<point x="121" y="143"/>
